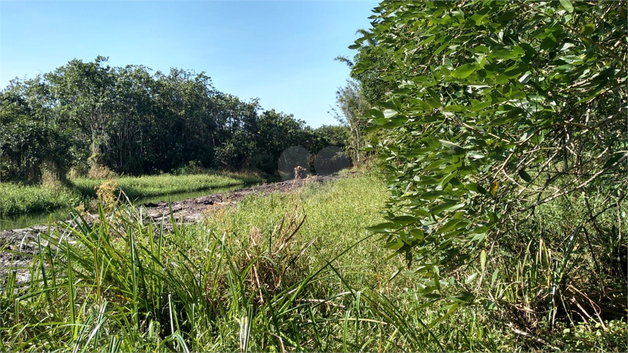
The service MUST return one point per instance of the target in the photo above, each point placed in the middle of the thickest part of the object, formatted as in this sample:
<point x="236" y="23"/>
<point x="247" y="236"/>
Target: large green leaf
<point x="464" y="70"/>
<point x="446" y="206"/>
<point x="567" y="5"/>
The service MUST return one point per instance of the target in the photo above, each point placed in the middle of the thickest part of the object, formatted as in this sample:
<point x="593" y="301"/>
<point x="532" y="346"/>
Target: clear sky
<point x="279" y="51"/>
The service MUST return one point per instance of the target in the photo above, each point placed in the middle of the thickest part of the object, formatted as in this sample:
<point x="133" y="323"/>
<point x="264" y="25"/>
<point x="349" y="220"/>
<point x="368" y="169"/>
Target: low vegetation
<point x="18" y="199"/>
<point x="214" y="286"/>
<point x="155" y="185"/>
<point x="281" y="272"/>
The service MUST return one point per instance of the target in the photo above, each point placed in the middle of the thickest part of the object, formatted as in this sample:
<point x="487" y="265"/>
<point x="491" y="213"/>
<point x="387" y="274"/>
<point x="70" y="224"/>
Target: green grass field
<point x="19" y="199"/>
<point x="156" y="185"/>
<point x="16" y="199"/>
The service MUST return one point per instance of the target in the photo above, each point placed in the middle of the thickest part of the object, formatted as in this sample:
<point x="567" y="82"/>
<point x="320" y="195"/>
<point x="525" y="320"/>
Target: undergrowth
<point x="280" y="272"/>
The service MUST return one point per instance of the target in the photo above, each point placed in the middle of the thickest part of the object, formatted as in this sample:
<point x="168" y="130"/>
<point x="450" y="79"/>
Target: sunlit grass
<point x="16" y="198"/>
<point x="279" y="272"/>
<point x="337" y="215"/>
<point x="19" y="199"/>
<point x="156" y="185"/>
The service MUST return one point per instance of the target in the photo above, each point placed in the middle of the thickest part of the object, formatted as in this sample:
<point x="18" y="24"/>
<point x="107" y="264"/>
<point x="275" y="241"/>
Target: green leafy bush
<point x="499" y="113"/>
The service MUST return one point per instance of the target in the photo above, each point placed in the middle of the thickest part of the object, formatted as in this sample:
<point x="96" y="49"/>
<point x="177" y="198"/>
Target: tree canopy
<point x="88" y="115"/>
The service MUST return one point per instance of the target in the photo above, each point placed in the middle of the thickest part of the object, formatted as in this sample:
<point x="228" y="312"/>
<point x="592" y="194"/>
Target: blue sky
<point x="279" y="51"/>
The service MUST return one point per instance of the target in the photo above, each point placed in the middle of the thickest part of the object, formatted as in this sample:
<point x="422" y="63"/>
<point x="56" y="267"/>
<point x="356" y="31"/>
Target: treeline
<point x="90" y="117"/>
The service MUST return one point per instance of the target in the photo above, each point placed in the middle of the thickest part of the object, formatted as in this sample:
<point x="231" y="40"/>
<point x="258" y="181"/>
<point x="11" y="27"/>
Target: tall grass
<point x="567" y="281"/>
<point x="123" y="285"/>
<point x="283" y="272"/>
<point x="16" y="198"/>
<point x="157" y="185"/>
<point x="19" y="199"/>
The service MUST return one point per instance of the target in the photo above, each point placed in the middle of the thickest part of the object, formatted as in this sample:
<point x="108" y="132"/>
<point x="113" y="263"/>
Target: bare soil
<point x="192" y="210"/>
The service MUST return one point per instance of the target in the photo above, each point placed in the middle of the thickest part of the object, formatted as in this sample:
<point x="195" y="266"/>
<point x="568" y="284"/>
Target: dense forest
<point x="92" y="118"/>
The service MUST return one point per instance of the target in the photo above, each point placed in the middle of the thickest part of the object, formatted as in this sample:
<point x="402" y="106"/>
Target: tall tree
<point x="34" y="141"/>
<point x="133" y="113"/>
<point x="126" y="120"/>
<point x="353" y="106"/>
<point x="275" y="133"/>
<point x="83" y="93"/>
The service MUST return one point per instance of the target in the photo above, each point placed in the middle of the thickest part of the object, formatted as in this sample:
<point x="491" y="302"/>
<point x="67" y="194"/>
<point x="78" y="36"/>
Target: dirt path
<point x="18" y="245"/>
<point x="191" y="210"/>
